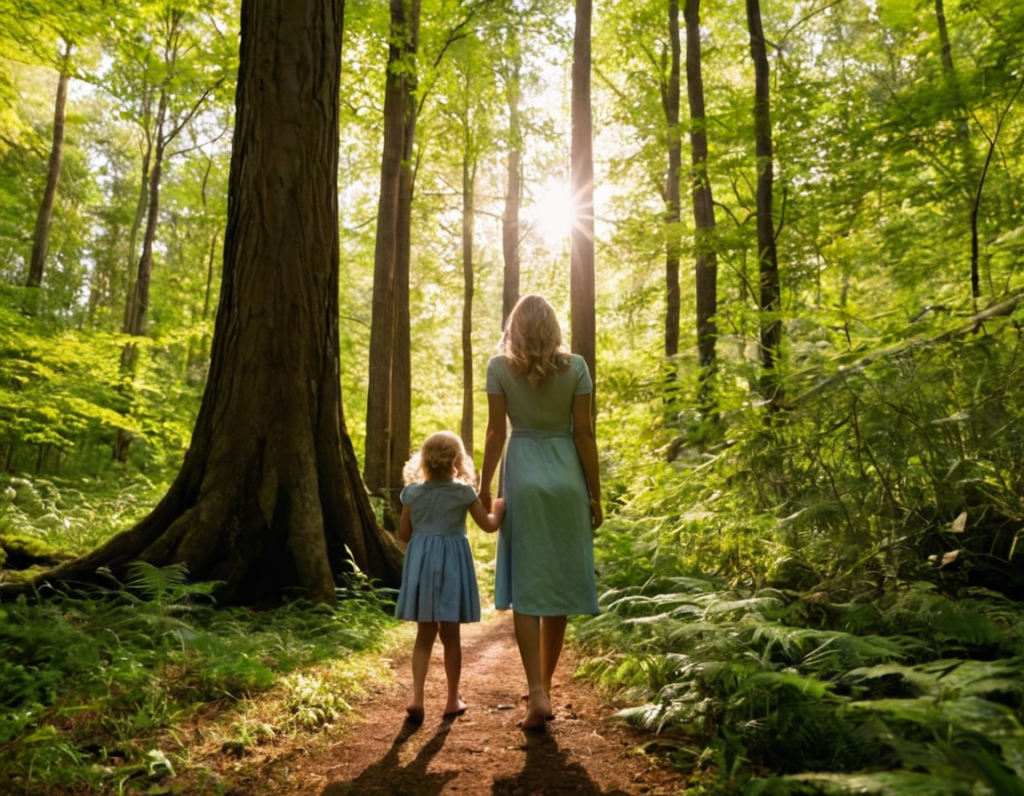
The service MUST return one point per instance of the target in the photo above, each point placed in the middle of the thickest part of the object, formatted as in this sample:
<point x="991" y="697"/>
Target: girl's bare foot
<point x="453" y="709"/>
<point x="414" y="715"/>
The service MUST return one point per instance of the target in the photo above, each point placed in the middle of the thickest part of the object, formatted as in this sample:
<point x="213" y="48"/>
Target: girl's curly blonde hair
<point x="442" y="456"/>
<point x="532" y="341"/>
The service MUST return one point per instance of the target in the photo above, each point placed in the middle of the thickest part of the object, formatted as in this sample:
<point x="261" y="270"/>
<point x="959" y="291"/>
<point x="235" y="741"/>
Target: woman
<point x="550" y="481"/>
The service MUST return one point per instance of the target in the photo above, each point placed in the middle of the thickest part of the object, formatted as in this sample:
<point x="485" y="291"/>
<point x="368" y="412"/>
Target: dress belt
<point x="533" y="433"/>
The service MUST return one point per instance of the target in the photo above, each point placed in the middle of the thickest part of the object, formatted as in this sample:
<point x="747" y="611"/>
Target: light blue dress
<point x="545" y="557"/>
<point x="438" y="576"/>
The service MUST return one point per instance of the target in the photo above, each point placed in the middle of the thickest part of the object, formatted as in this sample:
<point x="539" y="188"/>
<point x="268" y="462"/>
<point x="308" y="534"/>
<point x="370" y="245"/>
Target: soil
<point x="480" y="752"/>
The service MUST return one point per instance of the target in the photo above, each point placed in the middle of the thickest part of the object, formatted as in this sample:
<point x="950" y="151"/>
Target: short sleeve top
<point x="438" y="507"/>
<point x="547" y="408"/>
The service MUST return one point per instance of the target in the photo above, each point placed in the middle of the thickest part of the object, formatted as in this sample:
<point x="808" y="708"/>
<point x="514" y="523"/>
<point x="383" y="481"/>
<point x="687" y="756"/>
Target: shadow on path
<point x="387" y="777"/>
<point x="548" y="770"/>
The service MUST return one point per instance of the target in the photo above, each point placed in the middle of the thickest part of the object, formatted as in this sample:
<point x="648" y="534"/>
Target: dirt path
<point x="482" y="752"/>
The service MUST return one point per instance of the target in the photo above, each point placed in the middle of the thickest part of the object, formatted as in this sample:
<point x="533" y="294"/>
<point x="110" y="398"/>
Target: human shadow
<point x="387" y="777"/>
<point x="548" y="770"/>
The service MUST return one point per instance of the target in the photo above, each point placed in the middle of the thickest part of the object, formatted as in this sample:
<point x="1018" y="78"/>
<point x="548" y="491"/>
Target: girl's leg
<point x="528" y="638"/>
<point x="451" y="639"/>
<point x="426" y="632"/>
<point x="552" y="637"/>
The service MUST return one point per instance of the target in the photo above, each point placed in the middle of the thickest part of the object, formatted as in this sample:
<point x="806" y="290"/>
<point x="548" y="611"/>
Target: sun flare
<point x="553" y="214"/>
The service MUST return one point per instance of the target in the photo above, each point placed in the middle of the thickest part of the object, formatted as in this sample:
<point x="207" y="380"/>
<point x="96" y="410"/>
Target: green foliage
<point x="88" y="673"/>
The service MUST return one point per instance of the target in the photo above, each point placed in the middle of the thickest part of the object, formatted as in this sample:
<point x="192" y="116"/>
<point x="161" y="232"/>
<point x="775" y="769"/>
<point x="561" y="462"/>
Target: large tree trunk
<point x="269" y="495"/>
<point x="41" y="236"/>
<point x="705" y="259"/>
<point x="768" y="266"/>
<point x="513" y="191"/>
<point x="388" y="408"/>
<point x="581" y="255"/>
<point x="670" y="104"/>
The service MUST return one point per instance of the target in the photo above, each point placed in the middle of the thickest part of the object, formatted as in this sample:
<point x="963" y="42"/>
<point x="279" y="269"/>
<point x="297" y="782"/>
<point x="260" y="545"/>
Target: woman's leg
<point x="451" y="639"/>
<point x="426" y="632"/>
<point x="552" y="637"/>
<point x="528" y="638"/>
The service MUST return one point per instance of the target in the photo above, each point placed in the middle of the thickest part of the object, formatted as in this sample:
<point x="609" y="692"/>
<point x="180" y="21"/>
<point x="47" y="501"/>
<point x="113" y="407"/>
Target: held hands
<point x="498" y="508"/>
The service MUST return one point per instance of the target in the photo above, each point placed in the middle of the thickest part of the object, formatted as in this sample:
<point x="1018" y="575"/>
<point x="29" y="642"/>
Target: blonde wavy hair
<point x="532" y="341"/>
<point x="442" y="456"/>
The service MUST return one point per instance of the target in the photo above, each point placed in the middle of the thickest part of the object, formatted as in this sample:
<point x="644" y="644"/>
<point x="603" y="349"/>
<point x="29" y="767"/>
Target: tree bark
<point x="670" y="104"/>
<point x="705" y="258"/>
<point x="581" y="281"/>
<point x="513" y="192"/>
<point x="768" y="267"/>
<point x="388" y="402"/>
<point x="41" y="236"/>
<point x="269" y="495"/>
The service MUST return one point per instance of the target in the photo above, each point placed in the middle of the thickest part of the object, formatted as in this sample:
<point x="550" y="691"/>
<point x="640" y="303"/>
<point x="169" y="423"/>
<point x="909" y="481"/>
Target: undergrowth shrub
<point x="88" y="674"/>
<point x="825" y="599"/>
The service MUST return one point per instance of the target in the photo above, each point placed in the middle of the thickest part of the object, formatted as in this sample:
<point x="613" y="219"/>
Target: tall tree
<point x="387" y="422"/>
<point x="168" y="123"/>
<point x="582" y="290"/>
<point x="670" y="104"/>
<point x="41" y="235"/>
<point x="705" y="258"/>
<point x="510" y="67"/>
<point x="469" y="167"/>
<point x="767" y="258"/>
<point x="269" y="495"/>
<point x="178" y="82"/>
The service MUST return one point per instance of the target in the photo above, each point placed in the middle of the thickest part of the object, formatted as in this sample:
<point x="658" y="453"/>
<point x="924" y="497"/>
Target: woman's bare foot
<point x="537" y="713"/>
<point x="453" y="709"/>
<point x="414" y="715"/>
<point x="551" y="715"/>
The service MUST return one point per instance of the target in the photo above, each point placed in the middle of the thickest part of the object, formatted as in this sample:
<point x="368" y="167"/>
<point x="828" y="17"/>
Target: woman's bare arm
<point x="586" y="447"/>
<point x="494" y="444"/>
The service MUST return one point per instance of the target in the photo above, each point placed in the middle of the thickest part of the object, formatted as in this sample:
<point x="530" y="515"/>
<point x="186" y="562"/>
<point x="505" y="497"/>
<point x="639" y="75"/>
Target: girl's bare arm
<point x="488" y="522"/>
<point x="405" y="525"/>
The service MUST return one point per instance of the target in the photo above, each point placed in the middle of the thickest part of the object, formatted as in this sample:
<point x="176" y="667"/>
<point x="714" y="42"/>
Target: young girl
<point x="439" y="588"/>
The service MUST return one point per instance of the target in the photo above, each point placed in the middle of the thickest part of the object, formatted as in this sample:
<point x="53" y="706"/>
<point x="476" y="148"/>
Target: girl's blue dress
<point x="438" y="577"/>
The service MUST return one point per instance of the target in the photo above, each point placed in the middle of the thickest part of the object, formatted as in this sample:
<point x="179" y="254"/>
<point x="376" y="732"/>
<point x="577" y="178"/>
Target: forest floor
<point x="480" y="752"/>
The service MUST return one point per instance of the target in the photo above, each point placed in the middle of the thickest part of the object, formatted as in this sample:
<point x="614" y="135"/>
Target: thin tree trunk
<point x="468" y="181"/>
<point x="136" y="228"/>
<point x="269" y="496"/>
<point x="41" y="236"/>
<point x="705" y="258"/>
<point x="137" y="309"/>
<point x="768" y="267"/>
<point x="513" y="192"/>
<point x="582" y="292"/>
<point x="670" y="104"/>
